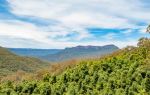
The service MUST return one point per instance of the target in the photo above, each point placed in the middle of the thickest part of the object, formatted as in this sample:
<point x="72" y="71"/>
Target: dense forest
<point x="125" y="72"/>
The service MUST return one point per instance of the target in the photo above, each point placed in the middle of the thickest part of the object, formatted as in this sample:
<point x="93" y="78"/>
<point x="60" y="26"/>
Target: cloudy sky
<point x="67" y="23"/>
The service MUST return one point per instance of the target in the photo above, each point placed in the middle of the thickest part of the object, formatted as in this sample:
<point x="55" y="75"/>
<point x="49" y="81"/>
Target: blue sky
<point x="67" y="23"/>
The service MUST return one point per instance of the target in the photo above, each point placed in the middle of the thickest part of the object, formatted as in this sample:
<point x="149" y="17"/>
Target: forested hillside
<point x="10" y="63"/>
<point x="125" y="72"/>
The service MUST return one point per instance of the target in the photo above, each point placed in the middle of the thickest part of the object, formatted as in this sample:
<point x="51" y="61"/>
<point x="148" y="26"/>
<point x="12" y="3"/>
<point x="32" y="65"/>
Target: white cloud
<point x="21" y="34"/>
<point x="142" y="30"/>
<point x="57" y="9"/>
<point x="127" y="32"/>
<point x="17" y="32"/>
<point x="110" y="36"/>
<point x="19" y="29"/>
<point x="73" y="17"/>
<point x="37" y="8"/>
<point x="100" y="13"/>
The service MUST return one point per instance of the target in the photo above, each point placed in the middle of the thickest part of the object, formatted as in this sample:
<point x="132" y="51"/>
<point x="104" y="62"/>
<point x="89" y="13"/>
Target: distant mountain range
<point x="33" y="52"/>
<point x="80" y="52"/>
<point x="56" y="55"/>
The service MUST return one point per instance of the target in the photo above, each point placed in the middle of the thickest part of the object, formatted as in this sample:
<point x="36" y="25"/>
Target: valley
<point x="124" y="72"/>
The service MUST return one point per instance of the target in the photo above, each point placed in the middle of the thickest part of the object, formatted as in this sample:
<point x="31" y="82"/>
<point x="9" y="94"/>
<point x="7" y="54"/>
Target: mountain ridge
<point x="31" y="52"/>
<point x="68" y="53"/>
<point x="80" y="52"/>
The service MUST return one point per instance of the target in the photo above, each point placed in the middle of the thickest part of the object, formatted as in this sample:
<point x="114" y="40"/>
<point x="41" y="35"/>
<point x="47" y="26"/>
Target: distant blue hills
<point x="57" y="55"/>
<point x="33" y="52"/>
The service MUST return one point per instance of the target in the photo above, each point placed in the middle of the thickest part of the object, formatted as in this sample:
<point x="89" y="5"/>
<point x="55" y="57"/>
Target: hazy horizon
<point x="58" y="48"/>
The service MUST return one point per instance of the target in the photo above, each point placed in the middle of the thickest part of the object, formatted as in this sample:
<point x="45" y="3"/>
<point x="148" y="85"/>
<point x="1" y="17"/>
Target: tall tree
<point x="148" y="29"/>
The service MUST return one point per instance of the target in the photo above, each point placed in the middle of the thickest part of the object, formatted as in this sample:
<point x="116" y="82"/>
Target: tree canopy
<point x="148" y="29"/>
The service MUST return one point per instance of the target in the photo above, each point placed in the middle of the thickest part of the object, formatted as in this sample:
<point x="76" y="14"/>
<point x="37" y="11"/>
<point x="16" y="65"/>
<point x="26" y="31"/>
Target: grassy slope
<point x="10" y="63"/>
<point x="126" y="72"/>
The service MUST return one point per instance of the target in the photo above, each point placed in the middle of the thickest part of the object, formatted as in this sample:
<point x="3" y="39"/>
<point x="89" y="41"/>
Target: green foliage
<point x="10" y="63"/>
<point x="127" y="73"/>
<point x="148" y="29"/>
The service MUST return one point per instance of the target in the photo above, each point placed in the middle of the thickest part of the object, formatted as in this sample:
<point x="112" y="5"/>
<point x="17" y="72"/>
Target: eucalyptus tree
<point x="148" y="29"/>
